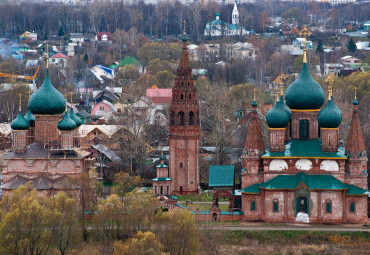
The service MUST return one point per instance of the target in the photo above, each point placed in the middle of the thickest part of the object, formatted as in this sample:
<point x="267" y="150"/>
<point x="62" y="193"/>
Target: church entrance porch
<point x="224" y="194"/>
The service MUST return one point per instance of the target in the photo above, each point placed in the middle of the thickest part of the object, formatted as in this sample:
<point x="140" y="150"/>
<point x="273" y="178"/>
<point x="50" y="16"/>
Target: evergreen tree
<point x="86" y="57"/>
<point x="320" y="47"/>
<point x="60" y="32"/>
<point x="351" y="46"/>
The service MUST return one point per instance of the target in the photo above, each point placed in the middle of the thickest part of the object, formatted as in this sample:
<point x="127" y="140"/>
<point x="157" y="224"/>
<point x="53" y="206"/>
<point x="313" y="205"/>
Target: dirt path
<point x="293" y="228"/>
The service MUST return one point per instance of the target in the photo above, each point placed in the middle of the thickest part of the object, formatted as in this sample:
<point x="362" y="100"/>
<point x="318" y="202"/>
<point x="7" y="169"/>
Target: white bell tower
<point x="235" y="15"/>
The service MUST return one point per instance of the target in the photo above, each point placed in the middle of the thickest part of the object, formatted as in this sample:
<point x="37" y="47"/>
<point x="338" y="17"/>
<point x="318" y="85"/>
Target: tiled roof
<point x="305" y="93"/>
<point x="305" y="149"/>
<point x="312" y="182"/>
<point x="37" y="151"/>
<point x="60" y="55"/>
<point x="40" y="183"/>
<point x="159" y="95"/>
<point x="20" y="123"/>
<point x="221" y="176"/>
<point x="47" y="99"/>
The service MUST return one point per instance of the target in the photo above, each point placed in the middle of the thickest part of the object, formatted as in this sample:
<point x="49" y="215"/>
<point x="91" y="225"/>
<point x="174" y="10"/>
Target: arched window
<point x="181" y="119"/>
<point x="253" y="206"/>
<point x="191" y="118"/>
<point x="182" y="96"/>
<point x="189" y="96"/>
<point x="275" y="204"/>
<point x="172" y="118"/>
<point x="303" y="129"/>
<point x="328" y="206"/>
<point x="352" y="208"/>
<point x="181" y="164"/>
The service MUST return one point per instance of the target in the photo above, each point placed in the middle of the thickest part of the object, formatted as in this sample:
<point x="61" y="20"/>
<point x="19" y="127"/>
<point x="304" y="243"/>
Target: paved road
<point x="282" y="228"/>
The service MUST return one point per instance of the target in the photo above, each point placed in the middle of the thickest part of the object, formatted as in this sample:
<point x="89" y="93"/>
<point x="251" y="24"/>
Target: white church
<point x="218" y="27"/>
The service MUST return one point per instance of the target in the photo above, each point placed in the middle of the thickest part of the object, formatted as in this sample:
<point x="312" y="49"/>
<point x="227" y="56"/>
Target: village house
<point x="28" y="37"/>
<point x="103" y="37"/>
<point x="130" y="61"/>
<point x="59" y="60"/>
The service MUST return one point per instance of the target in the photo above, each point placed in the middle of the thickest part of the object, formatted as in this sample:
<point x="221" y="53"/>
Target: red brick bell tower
<point x="184" y="130"/>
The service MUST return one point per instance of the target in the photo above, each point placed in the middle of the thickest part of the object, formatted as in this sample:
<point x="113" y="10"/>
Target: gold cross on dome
<point x="20" y="101"/>
<point x="330" y="80"/>
<point x="254" y="94"/>
<point x="305" y="32"/>
<point x="280" y="79"/>
<point x="355" y="92"/>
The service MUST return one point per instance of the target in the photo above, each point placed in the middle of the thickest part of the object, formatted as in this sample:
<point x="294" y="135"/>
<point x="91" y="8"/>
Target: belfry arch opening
<point x="191" y="118"/>
<point x="181" y="119"/>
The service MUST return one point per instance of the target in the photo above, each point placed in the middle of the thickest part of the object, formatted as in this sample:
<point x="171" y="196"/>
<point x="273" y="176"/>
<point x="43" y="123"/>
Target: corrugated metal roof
<point x="221" y="176"/>
<point x="312" y="182"/>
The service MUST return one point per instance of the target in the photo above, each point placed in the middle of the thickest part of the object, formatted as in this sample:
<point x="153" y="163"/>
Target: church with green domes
<point x="43" y="145"/>
<point x="304" y="175"/>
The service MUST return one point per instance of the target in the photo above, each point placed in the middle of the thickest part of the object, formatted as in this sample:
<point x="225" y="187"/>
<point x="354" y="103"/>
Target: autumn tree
<point x="64" y="222"/>
<point x="112" y="218"/>
<point x="164" y="79"/>
<point x="143" y="243"/>
<point x="87" y="197"/>
<point x="25" y="228"/>
<point x="178" y="232"/>
<point x="125" y="183"/>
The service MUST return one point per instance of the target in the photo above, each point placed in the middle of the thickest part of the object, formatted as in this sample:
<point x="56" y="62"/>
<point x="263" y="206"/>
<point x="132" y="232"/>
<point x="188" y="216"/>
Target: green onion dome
<point x="330" y="116"/>
<point x="20" y="123"/>
<point x="29" y="117"/>
<point x="66" y="124"/>
<point x="305" y="93"/>
<point x="286" y="108"/>
<point x="75" y="118"/>
<point x="254" y="103"/>
<point x="277" y="117"/>
<point x="355" y="102"/>
<point x="47" y="99"/>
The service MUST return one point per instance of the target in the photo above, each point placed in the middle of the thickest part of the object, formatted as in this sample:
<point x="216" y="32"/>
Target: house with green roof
<point x="304" y="175"/>
<point x="130" y="61"/>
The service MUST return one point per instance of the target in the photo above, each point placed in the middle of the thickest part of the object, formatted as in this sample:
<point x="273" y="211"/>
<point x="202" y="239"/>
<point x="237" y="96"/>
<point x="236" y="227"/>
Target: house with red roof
<point x="103" y="37"/>
<point x="159" y="96"/>
<point x="59" y="60"/>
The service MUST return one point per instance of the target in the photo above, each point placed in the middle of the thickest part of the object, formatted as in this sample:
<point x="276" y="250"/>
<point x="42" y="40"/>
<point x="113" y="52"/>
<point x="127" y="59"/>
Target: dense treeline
<point x="164" y="19"/>
<point x="123" y="223"/>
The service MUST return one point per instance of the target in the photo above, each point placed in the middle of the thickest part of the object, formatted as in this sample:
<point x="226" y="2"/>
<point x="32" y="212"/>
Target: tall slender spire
<point x="184" y="66"/>
<point x="355" y="141"/>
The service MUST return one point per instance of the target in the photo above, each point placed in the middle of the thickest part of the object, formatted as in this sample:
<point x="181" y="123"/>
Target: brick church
<point x="43" y="145"/>
<point x="304" y="175"/>
<point x="305" y="171"/>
